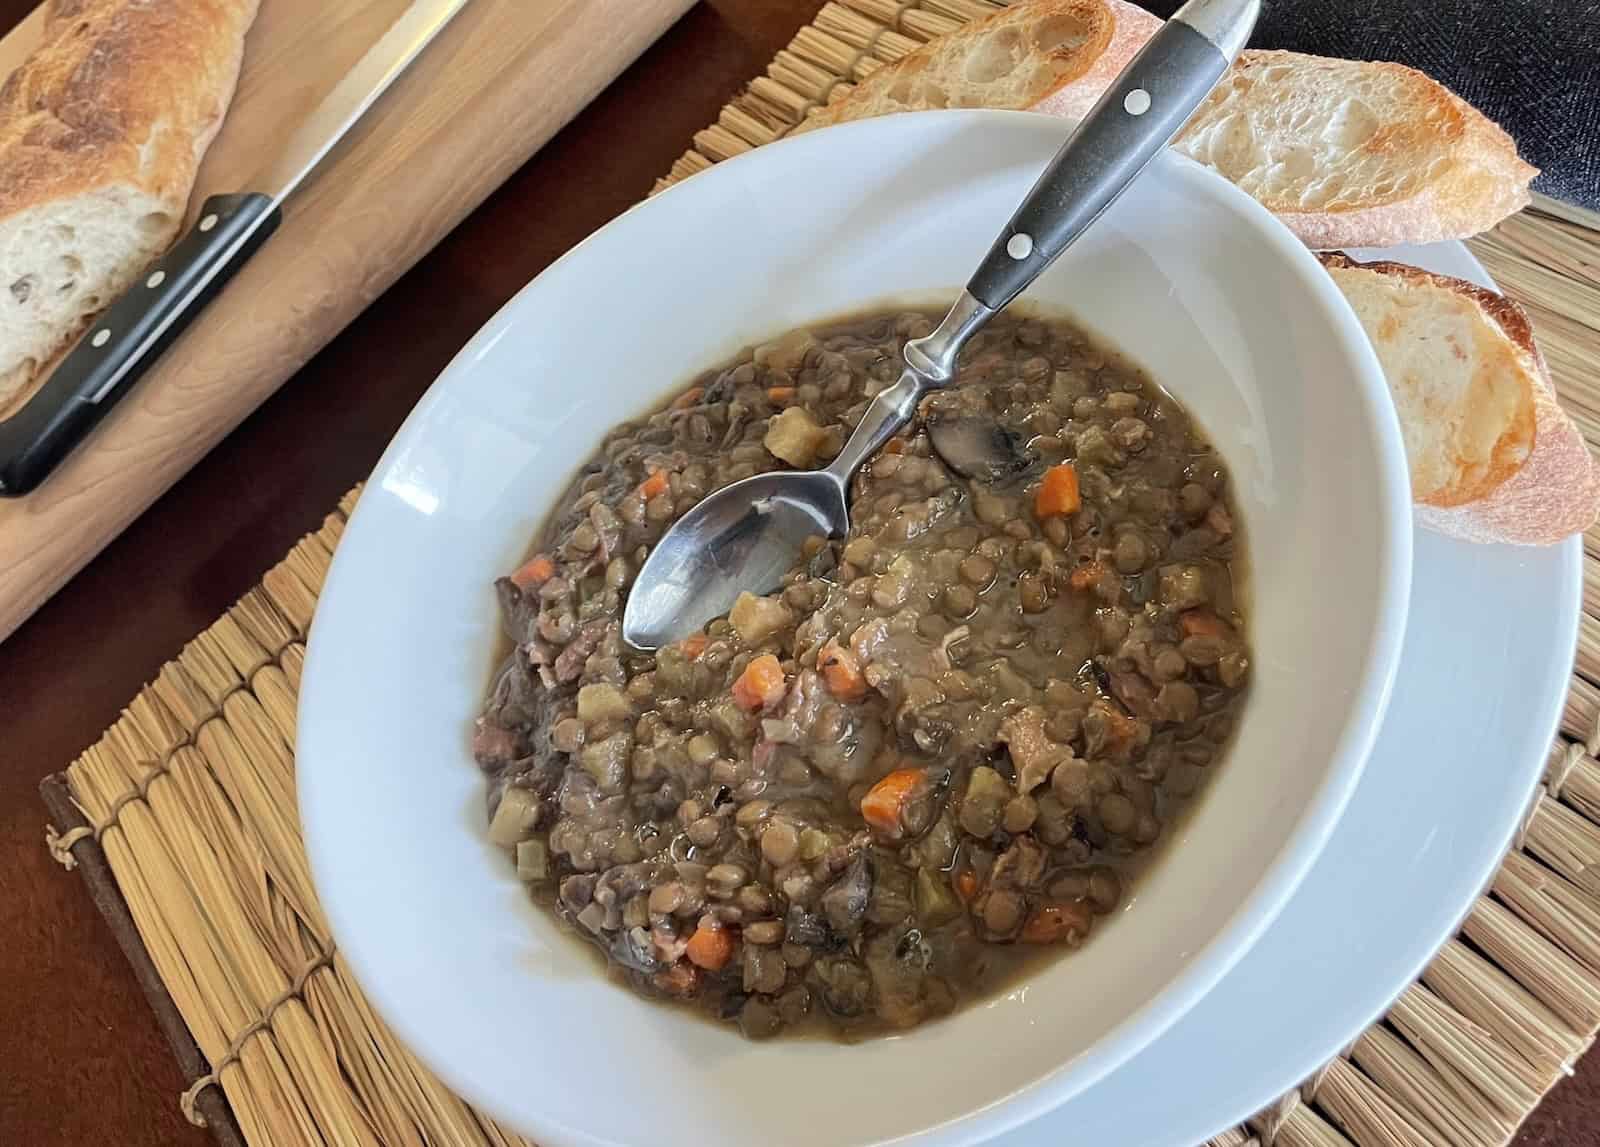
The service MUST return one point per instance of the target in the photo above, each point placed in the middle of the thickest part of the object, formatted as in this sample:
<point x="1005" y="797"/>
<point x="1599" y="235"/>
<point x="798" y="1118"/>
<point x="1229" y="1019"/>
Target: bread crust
<point x="119" y="92"/>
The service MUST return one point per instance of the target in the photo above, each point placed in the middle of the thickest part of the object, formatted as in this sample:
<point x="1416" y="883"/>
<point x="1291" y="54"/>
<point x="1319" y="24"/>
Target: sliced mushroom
<point x="845" y="902"/>
<point x="977" y="447"/>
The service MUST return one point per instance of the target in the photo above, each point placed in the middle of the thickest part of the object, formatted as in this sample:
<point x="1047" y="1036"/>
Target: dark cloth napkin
<point x="1531" y="65"/>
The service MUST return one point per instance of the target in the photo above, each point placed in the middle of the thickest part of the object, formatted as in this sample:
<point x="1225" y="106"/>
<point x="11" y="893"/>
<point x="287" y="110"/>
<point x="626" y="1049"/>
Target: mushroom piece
<point x="845" y="903"/>
<point x="977" y="447"/>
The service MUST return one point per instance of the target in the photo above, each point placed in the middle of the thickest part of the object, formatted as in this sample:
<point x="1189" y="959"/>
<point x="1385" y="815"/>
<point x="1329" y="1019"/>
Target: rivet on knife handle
<point x="130" y="335"/>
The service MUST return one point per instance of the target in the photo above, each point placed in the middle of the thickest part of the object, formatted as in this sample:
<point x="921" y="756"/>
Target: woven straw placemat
<point x="182" y="818"/>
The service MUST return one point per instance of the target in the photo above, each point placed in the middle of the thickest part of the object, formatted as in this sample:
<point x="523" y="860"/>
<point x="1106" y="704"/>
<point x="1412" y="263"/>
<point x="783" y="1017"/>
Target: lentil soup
<point x="941" y="749"/>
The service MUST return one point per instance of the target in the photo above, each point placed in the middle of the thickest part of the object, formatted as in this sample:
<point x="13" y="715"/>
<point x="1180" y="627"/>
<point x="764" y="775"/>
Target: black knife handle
<point x="130" y="335"/>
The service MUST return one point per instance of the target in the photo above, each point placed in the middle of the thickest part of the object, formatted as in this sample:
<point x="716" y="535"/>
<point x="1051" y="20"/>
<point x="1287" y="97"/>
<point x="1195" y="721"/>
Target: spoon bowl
<point x="743" y="537"/>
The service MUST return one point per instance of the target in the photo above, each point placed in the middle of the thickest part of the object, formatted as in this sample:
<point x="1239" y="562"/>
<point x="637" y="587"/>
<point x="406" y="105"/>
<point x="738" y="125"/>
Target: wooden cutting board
<point x="502" y="79"/>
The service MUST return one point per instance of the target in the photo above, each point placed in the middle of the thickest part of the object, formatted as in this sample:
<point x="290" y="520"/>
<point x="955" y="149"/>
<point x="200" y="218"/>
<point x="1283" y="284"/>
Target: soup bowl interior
<point x="1188" y="278"/>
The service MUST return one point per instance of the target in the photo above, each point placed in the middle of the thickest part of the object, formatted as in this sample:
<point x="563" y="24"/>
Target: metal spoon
<point x="747" y="535"/>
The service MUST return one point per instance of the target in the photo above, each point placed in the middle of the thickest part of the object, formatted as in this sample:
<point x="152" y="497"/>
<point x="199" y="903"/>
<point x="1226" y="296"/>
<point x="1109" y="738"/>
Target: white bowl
<point x="1189" y="277"/>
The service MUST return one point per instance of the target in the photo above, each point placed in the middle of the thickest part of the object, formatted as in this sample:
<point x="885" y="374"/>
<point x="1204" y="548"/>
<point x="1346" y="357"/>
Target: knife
<point x="131" y="334"/>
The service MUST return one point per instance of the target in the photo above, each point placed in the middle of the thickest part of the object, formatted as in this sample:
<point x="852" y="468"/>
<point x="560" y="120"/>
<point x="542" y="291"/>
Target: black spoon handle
<point x="1128" y="126"/>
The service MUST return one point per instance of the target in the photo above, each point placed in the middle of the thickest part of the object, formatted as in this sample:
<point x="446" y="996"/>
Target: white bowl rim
<point x="1308" y="835"/>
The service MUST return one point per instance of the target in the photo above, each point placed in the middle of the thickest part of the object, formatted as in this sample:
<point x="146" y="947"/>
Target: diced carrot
<point x="842" y="672"/>
<point x="688" y="398"/>
<point x="693" y="645"/>
<point x="657" y="483"/>
<point x="966" y="884"/>
<point x="534" y="572"/>
<point x="710" y="948"/>
<point x="896" y="445"/>
<point x="780" y="394"/>
<point x="1086" y="576"/>
<point x="885" y="801"/>
<point x="1058" y="493"/>
<point x="1202" y="623"/>
<point x="1053" y="923"/>
<point x="761" y="683"/>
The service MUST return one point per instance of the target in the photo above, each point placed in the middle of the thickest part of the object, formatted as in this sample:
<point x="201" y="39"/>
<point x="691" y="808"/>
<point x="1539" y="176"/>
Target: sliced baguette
<point x="1354" y="154"/>
<point x="1065" y="50"/>
<point x="1347" y="154"/>
<point x="101" y="132"/>
<point x="1493" y="457"/>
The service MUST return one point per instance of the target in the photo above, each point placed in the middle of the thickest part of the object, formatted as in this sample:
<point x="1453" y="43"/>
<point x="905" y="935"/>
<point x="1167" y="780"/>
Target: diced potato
<point x="515" y="818"/>
<point x="533" y="861"/>
<point x="757" y="618"/>
<point x="607" y="761"/>
<point x="602" y="703"/>
<point x="793" y="437"/>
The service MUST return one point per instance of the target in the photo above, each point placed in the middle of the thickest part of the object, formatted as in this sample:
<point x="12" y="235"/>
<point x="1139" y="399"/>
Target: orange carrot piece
<point x="966" y="885"/>
<point x="761" y="684"/>
<point x="1202" y="623"/>
<point x="780" y="394"/>
<point x="688" y="398"/>
<point x="841" y="672"/>
<point x="693" y="645"/>
<point x="896" y="445"/>
<point x="1086" y="576"/>
<point x="710" y="948"/>
<point x="534" y="573"/>
<point x="1053" y="923"/>
<point x="1058" y="493"/>
<point x="655" y="484"/>
<point x="885" y="801"/>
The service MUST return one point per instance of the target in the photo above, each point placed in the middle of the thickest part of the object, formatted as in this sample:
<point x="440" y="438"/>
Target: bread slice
<point x="1493" y="457"/>
<point x="1354" y="154"/>
<point x="101" y="132"/>
<point x="1066" y="50"/>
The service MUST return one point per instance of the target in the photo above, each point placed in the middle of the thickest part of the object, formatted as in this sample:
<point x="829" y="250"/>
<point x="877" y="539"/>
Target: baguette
<point x="1346" y="154"/>
<point x="1493" y="457"/>
<point x="1061" y="50"/>
<point x="101" y="132"/>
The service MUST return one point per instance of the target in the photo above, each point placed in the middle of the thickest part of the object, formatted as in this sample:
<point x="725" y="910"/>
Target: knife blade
<point x="131" y="334"/>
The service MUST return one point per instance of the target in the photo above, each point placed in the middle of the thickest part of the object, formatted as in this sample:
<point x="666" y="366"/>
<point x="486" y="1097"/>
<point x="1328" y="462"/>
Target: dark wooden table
<point x="81" y="1061"/>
